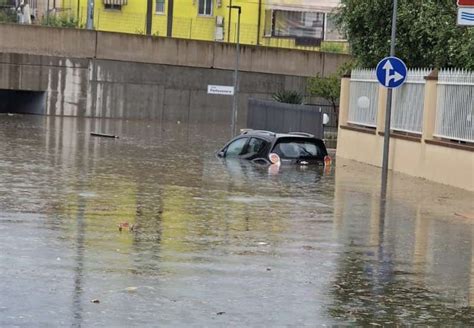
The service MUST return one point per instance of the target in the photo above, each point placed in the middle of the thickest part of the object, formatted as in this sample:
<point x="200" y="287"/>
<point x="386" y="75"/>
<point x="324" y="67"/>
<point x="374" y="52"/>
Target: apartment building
<point x="278" y="23"/>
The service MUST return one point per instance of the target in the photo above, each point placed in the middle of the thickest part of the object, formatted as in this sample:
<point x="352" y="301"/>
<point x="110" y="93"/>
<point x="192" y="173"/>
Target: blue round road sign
<point x="391" y="72"/>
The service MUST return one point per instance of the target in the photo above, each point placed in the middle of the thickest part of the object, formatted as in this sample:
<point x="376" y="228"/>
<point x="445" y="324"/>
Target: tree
<point x="329" y="87"/>
<point x="427" y="34"/>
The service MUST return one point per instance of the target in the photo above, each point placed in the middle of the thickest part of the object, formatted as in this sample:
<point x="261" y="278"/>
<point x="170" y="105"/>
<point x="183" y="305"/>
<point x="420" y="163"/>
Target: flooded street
<point x="216" y="243"/>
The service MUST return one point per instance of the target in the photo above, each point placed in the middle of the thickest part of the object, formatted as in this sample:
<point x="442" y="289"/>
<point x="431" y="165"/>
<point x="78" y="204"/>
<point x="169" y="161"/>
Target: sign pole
<point x="388" y="113"/>
<point x="236" y="73"/>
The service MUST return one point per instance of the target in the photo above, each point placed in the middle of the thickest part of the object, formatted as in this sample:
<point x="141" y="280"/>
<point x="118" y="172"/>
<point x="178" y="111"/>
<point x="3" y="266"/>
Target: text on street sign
<point x="220" y="90"/>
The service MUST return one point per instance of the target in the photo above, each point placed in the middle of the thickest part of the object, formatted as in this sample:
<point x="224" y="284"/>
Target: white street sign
<point x="220" y="90"/>
<point x="466" y="16"/>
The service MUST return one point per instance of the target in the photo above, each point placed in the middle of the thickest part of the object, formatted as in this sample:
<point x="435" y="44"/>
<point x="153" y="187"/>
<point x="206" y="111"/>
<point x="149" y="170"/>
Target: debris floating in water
<point x="95" y="301"/>
<point x="104" y="135"/>
<point x="123" y="225"/>
<point x="128" y="226"/>
<point x="465" y="215"/>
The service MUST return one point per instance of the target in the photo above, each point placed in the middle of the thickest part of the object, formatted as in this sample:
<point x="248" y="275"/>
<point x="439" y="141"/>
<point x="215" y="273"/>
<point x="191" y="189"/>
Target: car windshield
<point x="298" y="148"/>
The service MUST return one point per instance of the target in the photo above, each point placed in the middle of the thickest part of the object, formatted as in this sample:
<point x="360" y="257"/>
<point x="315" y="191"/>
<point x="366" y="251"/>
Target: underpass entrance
<point x="22" y="102"/>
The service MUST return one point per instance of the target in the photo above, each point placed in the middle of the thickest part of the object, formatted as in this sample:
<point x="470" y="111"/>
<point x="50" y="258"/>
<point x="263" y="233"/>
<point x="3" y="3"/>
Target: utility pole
<point x="236" y="73"/>
<point x="169" y="26"/>
<point x="259" y="21"/>
<point x="149" y="17"/>
<point x="388" y="113"/>
<point x="229" y="21"/>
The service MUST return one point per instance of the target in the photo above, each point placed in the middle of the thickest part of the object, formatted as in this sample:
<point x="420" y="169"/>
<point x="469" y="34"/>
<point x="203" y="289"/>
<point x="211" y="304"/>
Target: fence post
<point x="430" y="103"/>
<point x="344" y="100"/>
<point x="381" y="109"/>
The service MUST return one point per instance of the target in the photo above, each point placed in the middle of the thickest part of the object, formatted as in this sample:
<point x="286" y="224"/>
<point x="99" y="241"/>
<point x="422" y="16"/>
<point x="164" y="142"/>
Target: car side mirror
<point x="221" y="153"/>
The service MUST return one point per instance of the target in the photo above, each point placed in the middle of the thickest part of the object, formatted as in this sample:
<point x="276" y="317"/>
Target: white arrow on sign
<point x="388" y="77"/>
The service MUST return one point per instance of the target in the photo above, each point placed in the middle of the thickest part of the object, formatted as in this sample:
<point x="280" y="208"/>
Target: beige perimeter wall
<point x="441" y="164"/>
<point x="425" y="156"/>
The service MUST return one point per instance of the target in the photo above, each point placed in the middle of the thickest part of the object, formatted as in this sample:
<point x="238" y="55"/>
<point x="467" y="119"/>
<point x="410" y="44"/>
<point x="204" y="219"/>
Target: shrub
<point x="7" y="16"/>
<point x="59" y="21"/>
<point x="289" y="97"/>
<point x="334" y="47"/>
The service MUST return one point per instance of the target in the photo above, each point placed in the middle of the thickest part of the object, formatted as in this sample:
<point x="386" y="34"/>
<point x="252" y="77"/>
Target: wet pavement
<point x="216" y="243"/>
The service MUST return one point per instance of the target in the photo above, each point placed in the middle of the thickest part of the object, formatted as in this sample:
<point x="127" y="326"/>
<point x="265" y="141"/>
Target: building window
<point x="306" y="27"/>
<point x="160" y="6"/>
<point x="268" y="23"/>
<point x="205" y="7"/>
<point x="332" y="32"/>
<point x="112" y="6"/>
<point x="298" y="24"/>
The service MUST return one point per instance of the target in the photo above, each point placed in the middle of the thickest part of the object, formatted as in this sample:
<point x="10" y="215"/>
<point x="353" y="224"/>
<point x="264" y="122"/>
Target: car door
<point x="255" y="148"/>
<point x="236" y="148"/>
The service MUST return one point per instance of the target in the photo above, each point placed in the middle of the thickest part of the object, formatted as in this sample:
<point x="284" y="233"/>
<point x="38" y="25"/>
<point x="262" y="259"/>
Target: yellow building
<point x="278" y="23"/>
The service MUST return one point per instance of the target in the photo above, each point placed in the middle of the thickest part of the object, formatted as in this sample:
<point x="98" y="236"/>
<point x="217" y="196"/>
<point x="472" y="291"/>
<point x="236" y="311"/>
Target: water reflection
<point x="299" y="246"/>
<point x="77" y="306"/>
<point x="405" y="264"/>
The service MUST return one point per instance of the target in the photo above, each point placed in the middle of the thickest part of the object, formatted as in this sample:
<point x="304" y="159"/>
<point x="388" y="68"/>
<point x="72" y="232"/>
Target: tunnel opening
<point x="22" y="102"/>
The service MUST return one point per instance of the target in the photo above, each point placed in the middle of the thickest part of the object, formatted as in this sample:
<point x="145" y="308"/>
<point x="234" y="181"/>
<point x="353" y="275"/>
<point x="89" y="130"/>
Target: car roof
<point x="269" y="135"/>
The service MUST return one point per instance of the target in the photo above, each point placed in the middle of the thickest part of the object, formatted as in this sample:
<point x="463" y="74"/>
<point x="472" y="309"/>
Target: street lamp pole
<point x="236" y="73"/>
<point x="388" y="113"/>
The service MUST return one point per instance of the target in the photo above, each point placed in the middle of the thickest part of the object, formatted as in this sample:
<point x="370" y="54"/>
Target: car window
<point x="236" y="147"/>
<point x="298" y="148"/>
<point x="255" y="146"/>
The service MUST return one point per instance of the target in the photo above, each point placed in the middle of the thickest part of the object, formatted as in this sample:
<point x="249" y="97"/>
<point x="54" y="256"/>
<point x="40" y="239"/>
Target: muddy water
<point x="216" y="243"/>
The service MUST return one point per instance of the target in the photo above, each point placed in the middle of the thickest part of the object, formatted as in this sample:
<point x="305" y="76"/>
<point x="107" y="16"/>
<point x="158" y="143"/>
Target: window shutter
<point x="115" y="2"/>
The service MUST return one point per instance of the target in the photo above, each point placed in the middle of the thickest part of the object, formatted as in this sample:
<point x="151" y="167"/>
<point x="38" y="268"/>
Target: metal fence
<point x="455" y="111"/>
<point x="364" y="91"/>
<point x="281" y="117"/>
<point x="408" y="102"/>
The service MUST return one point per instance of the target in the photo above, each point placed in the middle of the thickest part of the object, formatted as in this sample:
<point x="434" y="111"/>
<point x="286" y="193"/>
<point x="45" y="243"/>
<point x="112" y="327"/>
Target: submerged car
<point x="266" y="147"/>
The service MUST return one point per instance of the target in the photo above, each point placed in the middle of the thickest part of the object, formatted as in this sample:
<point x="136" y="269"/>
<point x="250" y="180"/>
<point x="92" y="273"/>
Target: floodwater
<point x="216" y="243"/>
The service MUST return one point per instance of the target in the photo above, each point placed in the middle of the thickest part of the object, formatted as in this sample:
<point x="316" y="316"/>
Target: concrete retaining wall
<point x="101" y="74"/>
<point x="117" y="89"/>
<point x="38" y="40"/>
<point x="78" y="43"/>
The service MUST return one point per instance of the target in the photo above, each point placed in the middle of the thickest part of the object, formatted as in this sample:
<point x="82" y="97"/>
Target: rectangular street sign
<point x="465" y="3"/>
<point x="466" y="16"/>
<point x="220" y="90"/>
